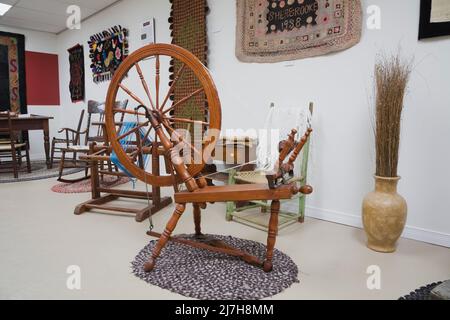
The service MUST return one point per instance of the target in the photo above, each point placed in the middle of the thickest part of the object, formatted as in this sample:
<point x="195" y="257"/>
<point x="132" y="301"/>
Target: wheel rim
<point x="158" y="99"/>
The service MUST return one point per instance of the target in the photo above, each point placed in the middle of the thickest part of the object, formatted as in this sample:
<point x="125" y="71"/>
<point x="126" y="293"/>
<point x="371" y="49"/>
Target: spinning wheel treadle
<point x="162" y="121"/>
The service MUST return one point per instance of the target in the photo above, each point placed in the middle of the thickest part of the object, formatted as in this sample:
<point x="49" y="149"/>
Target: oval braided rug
<point x="202" y="274"/>
<point x="85" y="185"/>
<point x="39" y="171"/>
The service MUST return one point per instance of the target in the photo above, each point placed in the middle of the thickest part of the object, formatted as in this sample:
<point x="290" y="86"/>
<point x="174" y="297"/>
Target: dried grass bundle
<point x="391" y="76"/>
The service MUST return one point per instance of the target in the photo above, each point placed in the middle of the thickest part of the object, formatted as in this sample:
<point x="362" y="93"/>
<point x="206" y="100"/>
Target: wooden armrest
<point x="67" y="129"/>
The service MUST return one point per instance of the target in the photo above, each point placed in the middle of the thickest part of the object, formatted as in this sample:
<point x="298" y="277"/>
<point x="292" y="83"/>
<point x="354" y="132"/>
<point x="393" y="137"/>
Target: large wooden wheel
<point x="146" y="67"/>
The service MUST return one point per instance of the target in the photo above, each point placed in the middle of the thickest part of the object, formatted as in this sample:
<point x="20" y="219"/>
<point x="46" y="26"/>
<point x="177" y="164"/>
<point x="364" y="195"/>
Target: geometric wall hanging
<point x="188" y="30"/>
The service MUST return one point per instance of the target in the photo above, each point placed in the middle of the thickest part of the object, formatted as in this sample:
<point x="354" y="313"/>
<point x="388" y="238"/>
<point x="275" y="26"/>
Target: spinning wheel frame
<point x="188" y="60"/>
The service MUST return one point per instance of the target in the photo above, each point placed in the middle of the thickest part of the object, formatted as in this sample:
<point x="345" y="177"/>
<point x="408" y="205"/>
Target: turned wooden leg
<point x="197" y="219"/>
<point x="61" y="165"/>
<point x="150" y="264"/>
<point x="52" y="157"/>
<point x="28" y="158"/>
<point x="19" y="157"/>
<point x="272" y="235"/>
<point x="47" y="144"/>
<point x="14" y="163"/>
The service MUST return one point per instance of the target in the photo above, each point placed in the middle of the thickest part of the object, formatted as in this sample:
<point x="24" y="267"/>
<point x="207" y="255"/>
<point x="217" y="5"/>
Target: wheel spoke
<point x="144" y="84"/>
<point x="183" y="120"/>
<point x="172" y="87"/>
<point x="147" y="134"/>
<point x="196" y="92"/>
<point x="157" y="80"/>
<point x="135" y="113"/>
<point x="135" y="129"/>
<point x="131" y="94"/>
<point x="180" y="138"/>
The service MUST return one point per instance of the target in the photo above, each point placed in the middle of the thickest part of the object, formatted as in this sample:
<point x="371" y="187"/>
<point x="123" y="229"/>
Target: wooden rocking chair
<point x="183" y="170"/>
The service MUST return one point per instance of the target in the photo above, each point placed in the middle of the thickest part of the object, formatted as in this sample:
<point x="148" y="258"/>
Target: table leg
<point x="47" y="144"/>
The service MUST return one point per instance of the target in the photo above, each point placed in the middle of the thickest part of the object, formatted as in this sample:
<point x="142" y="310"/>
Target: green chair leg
<point x="301" y="208"/>
<point x="231" y="206"/>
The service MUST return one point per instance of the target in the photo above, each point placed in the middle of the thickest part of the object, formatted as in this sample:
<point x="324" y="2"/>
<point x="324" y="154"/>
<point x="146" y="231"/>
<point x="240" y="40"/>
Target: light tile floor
<point x="40" y="237"/>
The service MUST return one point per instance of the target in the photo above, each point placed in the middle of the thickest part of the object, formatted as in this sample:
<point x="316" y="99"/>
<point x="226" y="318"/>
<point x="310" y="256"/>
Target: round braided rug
<point x="207" y="275"/>
<point x="85" y="185"/>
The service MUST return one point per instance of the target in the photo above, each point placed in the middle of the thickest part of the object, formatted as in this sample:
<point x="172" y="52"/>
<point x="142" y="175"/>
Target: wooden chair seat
<point x="241" y="192"/>
<point x="5" y="141"/>
<point x="7" y="147"/>
<point x="76" y="148"/>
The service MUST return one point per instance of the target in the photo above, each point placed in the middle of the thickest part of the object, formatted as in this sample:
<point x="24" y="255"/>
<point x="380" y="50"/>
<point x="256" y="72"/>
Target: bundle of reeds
<point x="391" y="79"/>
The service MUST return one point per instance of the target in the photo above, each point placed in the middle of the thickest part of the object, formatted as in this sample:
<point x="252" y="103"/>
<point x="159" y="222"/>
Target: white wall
<point x="341" y="86"/>
<point x="46" y="43"/>
<point x="129" y="14"/>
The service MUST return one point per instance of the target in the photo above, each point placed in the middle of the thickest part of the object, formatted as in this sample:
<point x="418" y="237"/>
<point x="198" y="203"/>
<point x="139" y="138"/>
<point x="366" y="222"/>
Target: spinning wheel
<point x="155" y="116"/>
<point x="206" y="121"/>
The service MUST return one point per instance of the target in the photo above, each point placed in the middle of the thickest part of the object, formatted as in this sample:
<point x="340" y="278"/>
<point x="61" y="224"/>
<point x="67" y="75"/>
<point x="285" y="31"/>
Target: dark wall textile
<point x="76" y="84"/>
<point x="12" y="73"/>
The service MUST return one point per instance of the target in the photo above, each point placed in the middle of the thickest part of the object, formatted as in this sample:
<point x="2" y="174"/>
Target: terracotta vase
<point x="384" y="215"/>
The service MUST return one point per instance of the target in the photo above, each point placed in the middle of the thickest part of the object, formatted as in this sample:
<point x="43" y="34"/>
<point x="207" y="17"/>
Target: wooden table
<point x="30" y="123"/>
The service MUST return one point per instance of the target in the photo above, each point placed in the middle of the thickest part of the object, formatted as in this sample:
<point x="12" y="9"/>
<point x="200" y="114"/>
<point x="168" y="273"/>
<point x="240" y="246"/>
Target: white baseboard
<point x="410" y="232"/>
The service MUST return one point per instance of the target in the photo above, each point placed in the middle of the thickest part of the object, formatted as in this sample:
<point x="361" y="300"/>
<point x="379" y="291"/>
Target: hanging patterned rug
<point x="85" y="185"/>
<point x="76" y="85"/>
<point x="39" y="172"/>
<point x="279" y="30"/>
<point x="12" y="73"/>
<point x="108" y="50"/>
<point x="207" y="275"/>
<point x="188" y="24"/>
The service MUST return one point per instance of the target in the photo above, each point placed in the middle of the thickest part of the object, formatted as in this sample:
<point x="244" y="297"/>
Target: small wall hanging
<point x="280" y="30"/>
<point x="434" y="18"/>
<point x="76" y="85"/>
<point x="107" y="51"/>
<point x="13" y="94"/>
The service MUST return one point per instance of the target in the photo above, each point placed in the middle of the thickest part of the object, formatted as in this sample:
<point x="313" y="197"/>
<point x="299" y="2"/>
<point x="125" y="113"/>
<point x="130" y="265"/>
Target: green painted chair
<point x="256" y="213"/>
